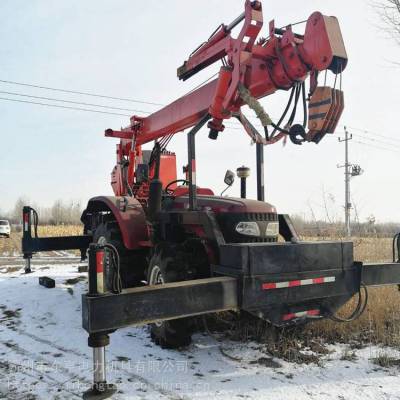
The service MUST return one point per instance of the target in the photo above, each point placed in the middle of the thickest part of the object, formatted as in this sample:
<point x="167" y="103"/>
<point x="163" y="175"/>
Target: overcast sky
<point x="130" y="48"/>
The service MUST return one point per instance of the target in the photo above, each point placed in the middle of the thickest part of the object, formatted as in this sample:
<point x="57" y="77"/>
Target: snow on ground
<point x="44" y="354"/>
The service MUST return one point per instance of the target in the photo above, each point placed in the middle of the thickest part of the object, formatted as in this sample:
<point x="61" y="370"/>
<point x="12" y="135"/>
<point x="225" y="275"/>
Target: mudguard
<point x="128" y="213"/>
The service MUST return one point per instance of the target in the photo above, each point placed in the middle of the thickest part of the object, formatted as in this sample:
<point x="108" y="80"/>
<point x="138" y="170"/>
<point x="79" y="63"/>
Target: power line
<point x="83" y="93"/>
<point x="79" y="92"/>
<point x="73" y="102"/>
<point x="376" y="147"/>
<point x="375" y="134"/>
<point x="93" y="95"/>
<point x="378" y="141"/>
<point x="237" y="127"/>
<point x="64" y="107"/>
<point x="393" y="147"/>
<point x="127" y="115"/>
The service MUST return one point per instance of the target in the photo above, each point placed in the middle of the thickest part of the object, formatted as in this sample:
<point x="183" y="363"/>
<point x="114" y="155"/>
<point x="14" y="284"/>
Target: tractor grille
<point x="228" y="222"/>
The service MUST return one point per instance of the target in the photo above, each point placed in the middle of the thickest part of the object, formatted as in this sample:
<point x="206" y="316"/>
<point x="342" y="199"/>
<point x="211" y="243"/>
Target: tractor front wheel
<point x="165" y="266"/>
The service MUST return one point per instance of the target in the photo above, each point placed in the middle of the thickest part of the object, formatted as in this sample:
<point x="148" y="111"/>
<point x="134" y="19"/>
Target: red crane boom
<point x="250" y="71"/>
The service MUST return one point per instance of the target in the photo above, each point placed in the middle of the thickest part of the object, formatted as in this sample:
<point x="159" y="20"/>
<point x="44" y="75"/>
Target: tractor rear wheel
<point x="132" y="263"/>
<point x="165" y="266"/>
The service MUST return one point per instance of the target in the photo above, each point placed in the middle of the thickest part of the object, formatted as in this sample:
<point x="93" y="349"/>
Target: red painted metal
<point x="301" y="314"/>
<point x="168" y="170"/>
<point x="184" y="191"/>
<point x="296" y="283"/>
<point x="99" y="261"/>
<point x="129" y="214"/>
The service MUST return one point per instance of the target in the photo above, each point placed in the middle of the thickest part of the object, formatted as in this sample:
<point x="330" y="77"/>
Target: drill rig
<point x="252" y="69"/>
<point x="198" y="252"/>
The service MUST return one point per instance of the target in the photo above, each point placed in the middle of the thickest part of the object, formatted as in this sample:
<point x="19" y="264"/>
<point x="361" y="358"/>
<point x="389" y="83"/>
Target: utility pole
<point x="350" y="170"/>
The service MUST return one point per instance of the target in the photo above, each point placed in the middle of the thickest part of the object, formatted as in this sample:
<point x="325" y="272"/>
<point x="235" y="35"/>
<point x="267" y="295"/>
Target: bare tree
<point x="16" y="213"/>
<point x="64" y="213"/>
<point x="57" y="212"/>
<point x="389" y="11"/>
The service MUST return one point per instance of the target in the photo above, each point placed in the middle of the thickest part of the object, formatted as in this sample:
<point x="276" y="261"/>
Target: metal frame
<point x="31" y="245"/>
<point x="192" y="161"/>
<point x="238" y="283"/>
<point x="380" y="274"/>
<point x="260" y="171"/>
<point x="148" y="304"/>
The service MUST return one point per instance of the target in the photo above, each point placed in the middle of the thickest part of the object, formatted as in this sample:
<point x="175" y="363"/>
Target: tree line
<point x="329" y="228"/>
<point x="60" y="213"/>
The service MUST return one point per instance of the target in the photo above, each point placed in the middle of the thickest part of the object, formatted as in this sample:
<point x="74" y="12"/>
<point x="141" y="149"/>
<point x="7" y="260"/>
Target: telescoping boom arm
<point x="251" y="70"/>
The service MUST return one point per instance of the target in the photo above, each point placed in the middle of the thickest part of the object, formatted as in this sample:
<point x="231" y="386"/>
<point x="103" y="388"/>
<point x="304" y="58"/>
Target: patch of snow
<point x="44" y="352"/>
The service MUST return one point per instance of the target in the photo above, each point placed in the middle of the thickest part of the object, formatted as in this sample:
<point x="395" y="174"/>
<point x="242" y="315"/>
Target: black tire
<point x="132" y="264"/>
<point x="164" y="267"/>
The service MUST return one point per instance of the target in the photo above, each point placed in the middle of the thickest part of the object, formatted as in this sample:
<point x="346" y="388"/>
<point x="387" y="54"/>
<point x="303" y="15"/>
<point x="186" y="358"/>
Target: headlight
<point x="248" y="228"/>
<point x="272" y="229"/>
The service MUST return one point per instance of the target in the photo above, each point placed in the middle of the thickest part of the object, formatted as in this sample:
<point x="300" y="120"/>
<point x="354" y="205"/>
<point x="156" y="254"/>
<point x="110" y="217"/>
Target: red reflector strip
<point x="26" y="222"/>
<point x="99" y="261"/>
<point x="296" y="283"/>
<point x="267" y="286"/>
<point x="99" y="271"/>
<point x="301" y="314"/>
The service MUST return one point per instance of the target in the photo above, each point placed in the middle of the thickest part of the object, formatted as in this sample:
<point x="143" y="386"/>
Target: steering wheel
<point x="171" y="191"/>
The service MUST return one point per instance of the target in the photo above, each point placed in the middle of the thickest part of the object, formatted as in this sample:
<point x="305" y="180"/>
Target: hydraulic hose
<point x="115" y="265"/>
<point x="35" y="221"/>
<point x="396" y="243"/>
<point x="358" y="311"/>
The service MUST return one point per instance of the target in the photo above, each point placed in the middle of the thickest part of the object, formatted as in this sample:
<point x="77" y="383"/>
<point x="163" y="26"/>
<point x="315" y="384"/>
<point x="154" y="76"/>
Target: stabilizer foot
<point x="27" y="268"/>
<point x="100" y="391"/>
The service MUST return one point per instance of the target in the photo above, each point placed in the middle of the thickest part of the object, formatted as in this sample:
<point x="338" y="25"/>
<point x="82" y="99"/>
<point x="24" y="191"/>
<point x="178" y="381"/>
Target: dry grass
<point x="13" y="244"/>
<point x="371" y="250"/>
<point x="380" y="322"/>
<point x="384" y="360"/>
<point x="368" y="250"/>
<point x="60" y="230"/>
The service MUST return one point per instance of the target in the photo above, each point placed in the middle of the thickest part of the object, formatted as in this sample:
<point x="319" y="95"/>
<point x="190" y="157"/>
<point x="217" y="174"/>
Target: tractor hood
<point x="220" y="204"/>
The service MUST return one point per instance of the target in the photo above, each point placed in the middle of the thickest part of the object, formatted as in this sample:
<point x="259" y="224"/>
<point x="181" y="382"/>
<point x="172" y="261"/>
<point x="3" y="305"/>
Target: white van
<point x="4" y="228"/>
